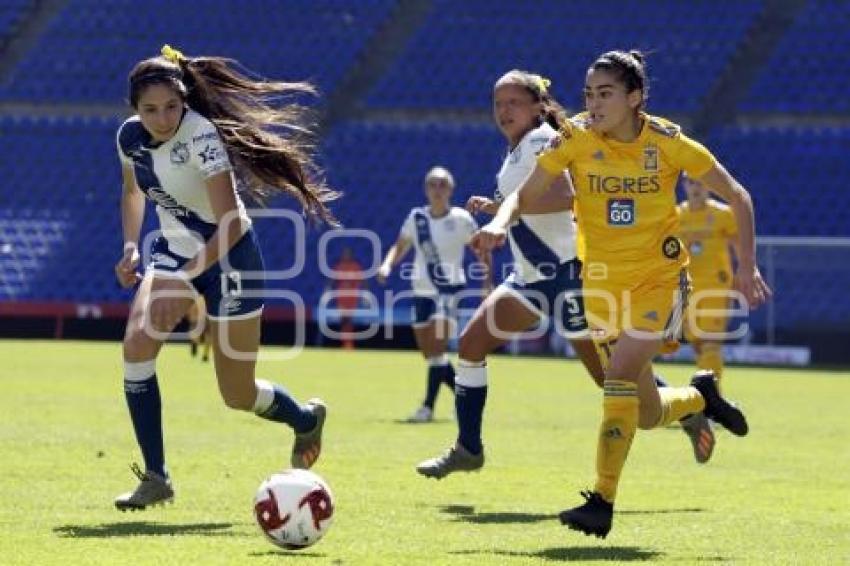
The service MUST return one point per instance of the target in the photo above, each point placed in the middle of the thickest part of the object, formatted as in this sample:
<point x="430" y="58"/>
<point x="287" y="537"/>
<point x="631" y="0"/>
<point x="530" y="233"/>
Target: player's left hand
<point x="125" y="269"/>
<point x="487" y="238"/>
<point x="751" y="284"/>
<point x="477" y="204"/>
<point x="168" y="302"/>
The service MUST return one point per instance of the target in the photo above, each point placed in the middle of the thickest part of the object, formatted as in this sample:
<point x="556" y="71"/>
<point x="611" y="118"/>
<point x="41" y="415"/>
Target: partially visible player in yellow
<point x="625" y="165"/>
<point x="199" y="329"/>
<point x="709" y="231"/>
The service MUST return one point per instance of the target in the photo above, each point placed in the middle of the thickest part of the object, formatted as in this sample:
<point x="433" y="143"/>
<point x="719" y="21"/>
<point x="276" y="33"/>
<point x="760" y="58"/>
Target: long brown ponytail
<point x="268" y="137"/>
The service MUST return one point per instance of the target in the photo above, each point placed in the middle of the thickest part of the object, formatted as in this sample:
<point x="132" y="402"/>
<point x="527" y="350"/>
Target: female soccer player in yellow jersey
<point x="625" y="165"/>
<point x="709" y="232"/>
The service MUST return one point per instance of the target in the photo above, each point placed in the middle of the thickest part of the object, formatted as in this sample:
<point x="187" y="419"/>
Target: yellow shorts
<point x="707" y="314"/>
<point x="655" y="306"/>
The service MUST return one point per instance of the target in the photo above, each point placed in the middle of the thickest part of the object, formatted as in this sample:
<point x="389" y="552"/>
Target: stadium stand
<point x="807" y="71"/>
<point x="464" y="47"/>
<point x="12" y="14"/>
<point x="47" y="193"/>
<point x="91" y="45"/>
<point x="798" y="194"/>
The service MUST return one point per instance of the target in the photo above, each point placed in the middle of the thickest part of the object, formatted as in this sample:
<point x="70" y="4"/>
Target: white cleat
<point x="423" y="414"/>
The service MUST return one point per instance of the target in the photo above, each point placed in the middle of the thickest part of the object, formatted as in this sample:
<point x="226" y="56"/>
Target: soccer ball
<point x="294" y="508"/>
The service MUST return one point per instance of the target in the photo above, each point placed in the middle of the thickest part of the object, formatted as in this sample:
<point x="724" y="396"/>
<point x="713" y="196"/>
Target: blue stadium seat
<point x="796" y="193"/>
<point x="463" y="47"/>
<point x="90" y="46"/>
<point x="807" y="72"/>
<point x="12" y="15"/>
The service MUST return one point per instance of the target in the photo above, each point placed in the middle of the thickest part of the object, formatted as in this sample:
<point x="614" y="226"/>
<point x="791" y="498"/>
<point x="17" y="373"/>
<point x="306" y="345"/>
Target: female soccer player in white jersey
<point x="438" y="233"/>
<point x="546" y="279"/>
<point x="203" y="128"/>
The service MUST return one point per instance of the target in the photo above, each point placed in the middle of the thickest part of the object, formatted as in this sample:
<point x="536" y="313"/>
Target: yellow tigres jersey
<point x="707" y="234"/>
<point x="626" y="192"/>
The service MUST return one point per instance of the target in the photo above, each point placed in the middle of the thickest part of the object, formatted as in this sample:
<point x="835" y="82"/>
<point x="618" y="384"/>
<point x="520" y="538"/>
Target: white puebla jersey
<point x="173" y="175"/>
<point x="439" y="244"/>
<point x="539" y="242"/>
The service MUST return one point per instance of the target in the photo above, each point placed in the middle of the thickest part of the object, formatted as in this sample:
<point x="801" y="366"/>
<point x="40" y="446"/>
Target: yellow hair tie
<point x="172" y="54"/>
<point x="543" y="83"/>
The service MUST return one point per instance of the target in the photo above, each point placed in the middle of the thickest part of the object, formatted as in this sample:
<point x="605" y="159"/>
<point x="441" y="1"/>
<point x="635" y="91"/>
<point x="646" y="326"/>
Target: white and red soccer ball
<point x="294" y="508"/>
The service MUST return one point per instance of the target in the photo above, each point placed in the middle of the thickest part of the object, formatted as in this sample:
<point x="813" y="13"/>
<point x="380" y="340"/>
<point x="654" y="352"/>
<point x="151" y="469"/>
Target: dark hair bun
<point x="639" y="57"/>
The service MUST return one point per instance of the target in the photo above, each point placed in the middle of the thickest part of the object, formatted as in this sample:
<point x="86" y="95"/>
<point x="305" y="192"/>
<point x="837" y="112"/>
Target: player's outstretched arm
<point x="748" y="277"/>
<point x="493" y="234"/>
<point x="394" y="255"/>
<point x="132" y="216"/>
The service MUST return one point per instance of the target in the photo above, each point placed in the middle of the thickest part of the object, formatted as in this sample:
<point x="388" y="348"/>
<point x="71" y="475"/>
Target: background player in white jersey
<point x="202" y="129"/>
<point x="439" y="234"/>
<point x="546" y="279"/>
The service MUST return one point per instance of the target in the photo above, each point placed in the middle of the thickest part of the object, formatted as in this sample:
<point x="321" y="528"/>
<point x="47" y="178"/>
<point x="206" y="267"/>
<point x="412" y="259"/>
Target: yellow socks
<point x="711" y="357"/>
<point x="678" y="402"/>
<point x="619" y="422"/>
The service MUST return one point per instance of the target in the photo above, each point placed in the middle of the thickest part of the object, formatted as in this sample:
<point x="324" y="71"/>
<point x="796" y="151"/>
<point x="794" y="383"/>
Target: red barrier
<point x="59" y="311"/>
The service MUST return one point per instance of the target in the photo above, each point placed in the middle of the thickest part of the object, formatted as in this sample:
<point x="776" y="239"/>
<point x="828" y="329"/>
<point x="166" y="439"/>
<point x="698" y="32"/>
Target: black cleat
<point x="593" y="517"/>
<point x="717" y="408"/>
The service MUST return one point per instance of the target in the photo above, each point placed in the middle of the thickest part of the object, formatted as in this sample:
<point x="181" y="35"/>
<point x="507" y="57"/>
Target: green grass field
<point x="780" y="496"/>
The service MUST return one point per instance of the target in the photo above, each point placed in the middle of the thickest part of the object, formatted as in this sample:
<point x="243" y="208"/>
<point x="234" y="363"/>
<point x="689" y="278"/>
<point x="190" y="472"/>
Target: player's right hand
<point x="125" y="269"/>
<point x="476" y="204"/>
<point x="487" y="238"/>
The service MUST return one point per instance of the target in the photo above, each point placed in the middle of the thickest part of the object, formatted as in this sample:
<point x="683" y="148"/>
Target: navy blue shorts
<point x="427" y="307"/>
<point x="224" y="285"/>
<point x="558" y="297"/>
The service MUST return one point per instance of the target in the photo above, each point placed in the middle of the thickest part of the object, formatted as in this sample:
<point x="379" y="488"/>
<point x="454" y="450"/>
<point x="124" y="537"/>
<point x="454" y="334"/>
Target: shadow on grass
<point x="573" y="553"/>
<point x="682" y="510"/>
<point x="293" y="553"/>
<point x="414" y="424"/>
<point x="143" y="528"/>
<point x="467" y="514"/>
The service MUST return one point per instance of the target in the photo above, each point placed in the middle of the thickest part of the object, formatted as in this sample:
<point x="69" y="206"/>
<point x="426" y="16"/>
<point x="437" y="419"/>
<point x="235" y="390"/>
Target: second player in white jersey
<point x="546" y="279"/>
<point x="539" y="242"/>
